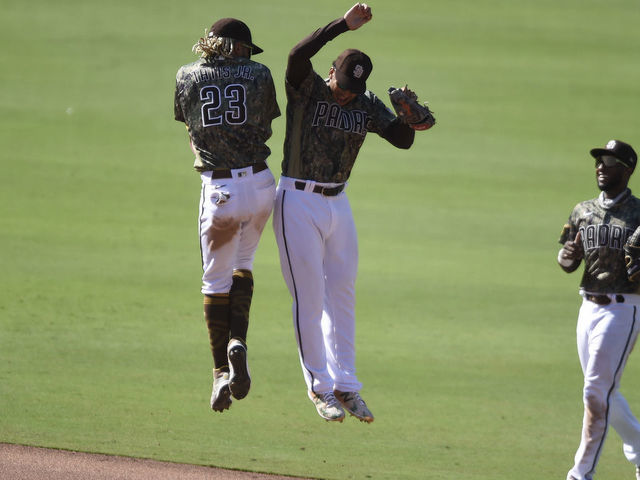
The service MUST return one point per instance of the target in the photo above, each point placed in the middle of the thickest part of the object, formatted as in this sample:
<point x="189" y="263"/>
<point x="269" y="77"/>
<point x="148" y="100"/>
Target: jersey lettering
<point x="235" y="112"/>
<point x="604" y="235"/>
<point x="212" y="73"/>
<point x="333" y="116"/>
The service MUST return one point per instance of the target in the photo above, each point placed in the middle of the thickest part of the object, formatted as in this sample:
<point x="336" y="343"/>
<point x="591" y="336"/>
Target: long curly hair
<point x="211" y="46"/>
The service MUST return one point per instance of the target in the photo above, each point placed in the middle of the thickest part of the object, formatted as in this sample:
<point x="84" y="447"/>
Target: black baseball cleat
<point x="239" y="379"/>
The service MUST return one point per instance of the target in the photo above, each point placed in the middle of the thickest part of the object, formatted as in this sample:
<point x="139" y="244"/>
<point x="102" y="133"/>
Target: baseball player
<point x="227" y="102"/>
<point x="327" y="121"/>
<point x="609" y="320"/>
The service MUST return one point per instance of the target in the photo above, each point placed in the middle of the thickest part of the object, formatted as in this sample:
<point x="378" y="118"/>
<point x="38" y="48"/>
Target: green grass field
<point x="465" y="323"/>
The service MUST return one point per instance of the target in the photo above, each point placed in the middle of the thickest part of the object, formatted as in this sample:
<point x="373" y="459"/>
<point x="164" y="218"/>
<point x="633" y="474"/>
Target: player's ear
<point x="332" y="70"/>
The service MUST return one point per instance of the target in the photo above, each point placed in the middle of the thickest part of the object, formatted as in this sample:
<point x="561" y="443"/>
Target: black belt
<point x="326" y="191"/>
<point x="226" y="172"/>
<point x="604" y="299"/>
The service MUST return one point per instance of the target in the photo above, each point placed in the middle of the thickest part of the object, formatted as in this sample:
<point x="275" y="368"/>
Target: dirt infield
<point x="18" y="462"/>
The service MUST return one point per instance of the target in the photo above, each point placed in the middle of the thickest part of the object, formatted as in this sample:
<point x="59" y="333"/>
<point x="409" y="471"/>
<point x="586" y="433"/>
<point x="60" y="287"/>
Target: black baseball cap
<point x="622" y="151"/>
<point x="352" y="70"/>
<point x="236" y="30"/>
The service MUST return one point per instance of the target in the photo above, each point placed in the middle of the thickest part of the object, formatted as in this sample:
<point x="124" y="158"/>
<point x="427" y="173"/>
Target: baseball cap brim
<point x="599" y="152"/>
<point x="347" y="83"/>
<point x="255" y="49"/>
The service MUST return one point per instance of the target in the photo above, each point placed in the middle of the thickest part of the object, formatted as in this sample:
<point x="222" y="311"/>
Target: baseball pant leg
<point x="605" y="338"/>
<point x="257" y="193"/>
<point x="219" y="227"/>
<point x="219" y="239"/>
<point x="627" y="426"/>
<point x="341" y="266"/>
<point x="299" y="220"/>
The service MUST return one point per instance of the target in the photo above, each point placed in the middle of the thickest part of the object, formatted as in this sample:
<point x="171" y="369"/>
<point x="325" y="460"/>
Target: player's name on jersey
<point x="225" y="71"/>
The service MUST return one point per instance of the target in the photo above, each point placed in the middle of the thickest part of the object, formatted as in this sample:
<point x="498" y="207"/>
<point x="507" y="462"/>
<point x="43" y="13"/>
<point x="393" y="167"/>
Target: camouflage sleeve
<point x="271" y="89"/>
<point x="380" y="116"/>
<point x="177" y="108"/>
<point x="569" y="230"/>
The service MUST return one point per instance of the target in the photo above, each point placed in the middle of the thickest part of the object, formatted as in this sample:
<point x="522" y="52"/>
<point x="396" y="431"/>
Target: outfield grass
<point x="465" y="323"/>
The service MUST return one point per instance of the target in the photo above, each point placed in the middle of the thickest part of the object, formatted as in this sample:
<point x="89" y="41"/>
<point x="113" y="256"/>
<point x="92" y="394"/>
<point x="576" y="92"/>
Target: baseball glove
<point x="405" y="103"/>
<point x="632" y="256"/>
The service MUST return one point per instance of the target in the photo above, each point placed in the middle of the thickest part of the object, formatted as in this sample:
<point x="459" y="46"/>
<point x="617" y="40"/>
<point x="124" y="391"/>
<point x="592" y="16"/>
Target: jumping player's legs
<point x="340" y="267"/>
<point x="299" y="220"/>
<point x="233" y="213"/>
<point x="605" y="338"/>
<point x="258" y="192"/>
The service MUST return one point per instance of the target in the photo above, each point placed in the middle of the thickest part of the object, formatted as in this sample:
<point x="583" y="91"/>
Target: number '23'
<point x="212" y="110"/>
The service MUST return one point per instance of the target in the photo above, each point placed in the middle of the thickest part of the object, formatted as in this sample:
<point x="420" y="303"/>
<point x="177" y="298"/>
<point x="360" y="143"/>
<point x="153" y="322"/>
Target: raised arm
<point x="299" y="63"/>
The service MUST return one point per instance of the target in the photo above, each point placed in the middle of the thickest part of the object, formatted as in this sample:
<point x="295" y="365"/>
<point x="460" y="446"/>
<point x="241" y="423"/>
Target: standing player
<point x="608" y="321"/>
<point x="227" y="102"/>
<point x="327" y="121"/>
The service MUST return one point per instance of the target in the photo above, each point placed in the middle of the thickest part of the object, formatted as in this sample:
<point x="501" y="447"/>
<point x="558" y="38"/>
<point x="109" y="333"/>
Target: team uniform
<point x="313" y="221"/>
<point x="228" y="105"/>
<point x="608" y="324"/>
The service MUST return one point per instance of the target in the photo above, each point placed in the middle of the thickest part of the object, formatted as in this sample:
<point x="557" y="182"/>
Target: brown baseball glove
<point x="405" y="103"/>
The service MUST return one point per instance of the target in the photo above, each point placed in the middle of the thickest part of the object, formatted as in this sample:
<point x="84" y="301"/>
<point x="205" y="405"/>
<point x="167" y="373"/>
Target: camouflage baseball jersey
<point x="228" y="105"/>
<point x="323" y="139"/>
<point x="604" y="231"/>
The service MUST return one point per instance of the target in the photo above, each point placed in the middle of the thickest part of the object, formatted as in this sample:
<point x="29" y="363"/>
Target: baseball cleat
<point x="354" y="404"/>
<point x="327" y="406"/>
<point x="240" y="381"/>
<point x="221" y="395"/>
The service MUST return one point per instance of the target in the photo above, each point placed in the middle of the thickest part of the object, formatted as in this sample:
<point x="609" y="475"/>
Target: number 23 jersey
<point x="228" y="105"/>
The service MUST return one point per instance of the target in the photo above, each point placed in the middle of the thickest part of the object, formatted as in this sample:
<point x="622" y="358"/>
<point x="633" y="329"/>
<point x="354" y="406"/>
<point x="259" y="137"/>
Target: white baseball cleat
<point x="239" y="379"/>
<point x="221" y="395"/>
<point x="327" y="406"/>
<point x="354" y="404"/>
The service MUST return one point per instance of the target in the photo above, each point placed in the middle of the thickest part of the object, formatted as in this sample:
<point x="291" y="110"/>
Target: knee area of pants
<point x="595" y="403"/>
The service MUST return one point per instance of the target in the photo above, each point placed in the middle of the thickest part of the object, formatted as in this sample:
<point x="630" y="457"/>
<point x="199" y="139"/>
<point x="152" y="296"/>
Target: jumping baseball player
<point x="227" y="102"/>
<point x="327" y="121"/>
<point x="609" y="318"/>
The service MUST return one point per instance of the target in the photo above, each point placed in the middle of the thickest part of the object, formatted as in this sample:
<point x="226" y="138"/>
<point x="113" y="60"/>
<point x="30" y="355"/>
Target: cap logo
<point x="611" y="145"/>
<point x="358" y="71"/>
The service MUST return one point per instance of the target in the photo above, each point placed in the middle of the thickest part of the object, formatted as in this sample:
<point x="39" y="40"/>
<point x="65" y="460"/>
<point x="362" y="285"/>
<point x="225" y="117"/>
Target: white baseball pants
<point x="606" y="335"/>
<point x="318" y="247"/>
<point x="233" y="213"/>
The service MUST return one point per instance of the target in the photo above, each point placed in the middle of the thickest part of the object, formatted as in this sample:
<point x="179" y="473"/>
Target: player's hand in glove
<point x="405" y="103"/>
<point x="632" y="256"/>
